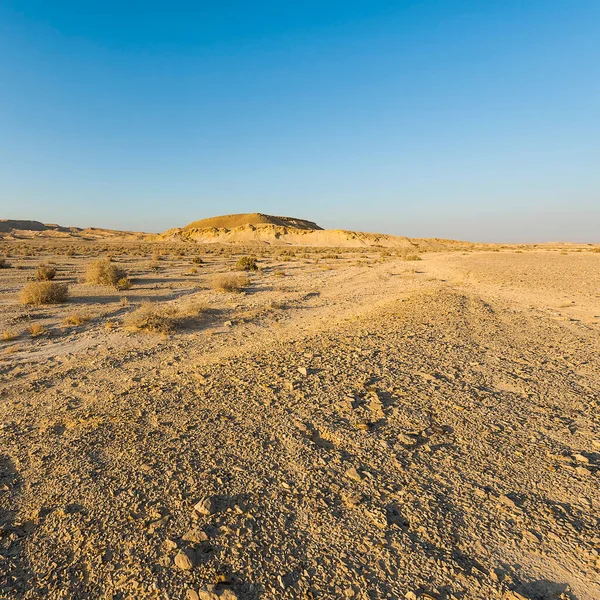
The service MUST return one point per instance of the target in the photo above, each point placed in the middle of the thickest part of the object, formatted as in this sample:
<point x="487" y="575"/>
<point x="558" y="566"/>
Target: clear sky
<point x="475" y="119"/>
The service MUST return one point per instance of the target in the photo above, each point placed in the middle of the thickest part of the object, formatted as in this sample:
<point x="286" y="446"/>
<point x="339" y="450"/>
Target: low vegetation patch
<point x="104" y="272"/>
<point x="230" y="282"/>
<point x="152" y="317"/>
<point x="412" y="257"/>
<point x="246" y="263"/>
<point x="4" y="264"/>
<point x="76" y="319"/>
<point x="44" y="292"/>
<point x="9" y="336"/>
<point x="45" y="273"/>
<point x="36" y="330"/>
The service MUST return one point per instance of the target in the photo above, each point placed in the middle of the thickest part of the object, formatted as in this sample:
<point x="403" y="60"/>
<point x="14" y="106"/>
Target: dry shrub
<point x="76" y="319"/>
<point x="37" y="330"/>
<point x="412" y="257"/>
<point x="246" y="263"/>
<point x="103" y="272"/>
<point x="45" y="273"/>
<point x="156" y="318"/>
<point x="230" y="282"/>
<point x="123" y="284"/>
<point x="44" y="292"/>
<point x="9" y="336"/>
<point x="4" y="264"/>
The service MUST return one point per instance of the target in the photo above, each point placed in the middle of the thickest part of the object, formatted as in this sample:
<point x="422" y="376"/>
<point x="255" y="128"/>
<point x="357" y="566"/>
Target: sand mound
<point x="233" y="221"/>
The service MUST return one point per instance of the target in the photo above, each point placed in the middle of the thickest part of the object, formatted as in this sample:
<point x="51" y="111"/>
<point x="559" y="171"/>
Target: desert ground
<point x="361" y="423"/>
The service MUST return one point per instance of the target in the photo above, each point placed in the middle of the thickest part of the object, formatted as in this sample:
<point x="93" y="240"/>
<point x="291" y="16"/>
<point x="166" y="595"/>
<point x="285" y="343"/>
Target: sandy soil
<point x="355" y="427"/>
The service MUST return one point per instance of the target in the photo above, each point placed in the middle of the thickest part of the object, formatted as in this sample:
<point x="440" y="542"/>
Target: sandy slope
<point x="395" y="431"/>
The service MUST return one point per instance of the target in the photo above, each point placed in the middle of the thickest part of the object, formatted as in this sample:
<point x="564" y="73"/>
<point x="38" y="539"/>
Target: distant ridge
<point x="7" y="225"/>
<point x="240" y="220"/>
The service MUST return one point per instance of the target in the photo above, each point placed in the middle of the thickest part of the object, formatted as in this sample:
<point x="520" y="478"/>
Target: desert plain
<point x="360" y="422"/>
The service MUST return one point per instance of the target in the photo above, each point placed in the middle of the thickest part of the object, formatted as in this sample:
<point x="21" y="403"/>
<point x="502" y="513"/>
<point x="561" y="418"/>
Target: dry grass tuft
<point x="246" y="263"/>
<point x="45" y="273"/>
<point x="36" y="330"/>
<point x="4" y="264"/>
<point x="44" y="292"/>
<point x="412" y="257"/>
<point x="76" y="319"/>
<point x="9" y="336"/>
<point x="230" y="282"/>
<point x="156" y="318"/>
<point x="104" y="272"/>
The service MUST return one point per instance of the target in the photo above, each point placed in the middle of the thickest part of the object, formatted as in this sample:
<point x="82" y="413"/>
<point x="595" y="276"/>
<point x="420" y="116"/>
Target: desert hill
<point x="281" y="231"/>
<point x="232" y="221"/>
<point x="8" y="225"/>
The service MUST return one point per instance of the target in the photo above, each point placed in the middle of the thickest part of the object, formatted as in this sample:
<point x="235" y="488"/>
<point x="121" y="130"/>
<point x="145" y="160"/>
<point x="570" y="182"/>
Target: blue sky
<point x="460" y="119"/>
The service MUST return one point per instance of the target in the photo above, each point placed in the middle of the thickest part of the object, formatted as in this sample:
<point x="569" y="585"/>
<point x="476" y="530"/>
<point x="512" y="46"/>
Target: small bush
<point x="76" y="319"/>
<point x="9" y="336"/>
<point x="36" y="330"/>
<point x="44" y="292"/>
<point x="45" y="273"/>
<point x="155" y="318"/>
<point x="4" y="264"/>
<point x="103" y="272"/>
<point x="246" y="263"/>
<point x="197" y="260"/>
<point x="412" y="257"/>
<point x="230" y="282"/>
<point x="123" y="284"/>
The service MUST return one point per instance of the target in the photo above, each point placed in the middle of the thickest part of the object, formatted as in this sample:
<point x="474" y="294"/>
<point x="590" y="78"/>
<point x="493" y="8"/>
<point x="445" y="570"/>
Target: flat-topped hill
<point x="233" y="221"/>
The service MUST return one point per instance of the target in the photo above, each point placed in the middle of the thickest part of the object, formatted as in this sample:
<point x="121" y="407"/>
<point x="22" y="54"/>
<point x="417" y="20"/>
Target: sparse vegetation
<point x="45" y="273"/>
<point x="44" y="292"/>
<point x="37" y="330"/>
<point x="123" y="284"/>
<point x="4" y="264"/>
<point x="9" y="336"/>
<point x="412" y="257"/>
<point x="76" y="319"/>
<point x="104" y="272"/>
<point x="246" y="263"/>
<point x="160" y="318"/>
<point x="230" y="282"/>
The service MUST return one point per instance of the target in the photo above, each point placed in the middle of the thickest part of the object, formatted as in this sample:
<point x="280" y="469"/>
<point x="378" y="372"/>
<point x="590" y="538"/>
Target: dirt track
<point x="395" y="431"/>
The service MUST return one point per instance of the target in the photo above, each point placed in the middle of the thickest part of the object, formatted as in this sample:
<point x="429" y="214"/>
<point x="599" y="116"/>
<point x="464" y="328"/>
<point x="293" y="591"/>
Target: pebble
<point x="206" y="506"/>
<point x="185" y="559"/>
<point x="353" y="474"/>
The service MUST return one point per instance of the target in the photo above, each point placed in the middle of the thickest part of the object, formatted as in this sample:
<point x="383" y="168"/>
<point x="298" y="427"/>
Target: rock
<point x="169" y="544"/>
<point x="583" y="471"/>
<point x="353" y="474"/>
<point x="303" y="371"/>
<point x="506" y="501"/>
<point x="185" y="559"/>
<point x="192" y="595"/>
<point x="228" y="595"/>
<point x="206" y="506"/>
<point x="410" y="596"/>
<point x="195" y="535"/>
<point x="580" y="458"/>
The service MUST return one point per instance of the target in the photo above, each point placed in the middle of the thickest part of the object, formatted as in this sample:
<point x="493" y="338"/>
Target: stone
<point x="206" y="506"/>
<point x="303" y="371"/>
<point x="185" y="559"/>
<point x="192" y="595"/>
<point x="353" y="474"/>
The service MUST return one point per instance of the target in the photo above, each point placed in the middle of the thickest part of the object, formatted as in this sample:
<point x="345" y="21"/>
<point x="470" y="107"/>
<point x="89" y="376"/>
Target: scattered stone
<point x="353" y="474"/>
<point x="185" y="559"/>
<point x="206" y="506"/>
<point x="303" y="371"/>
